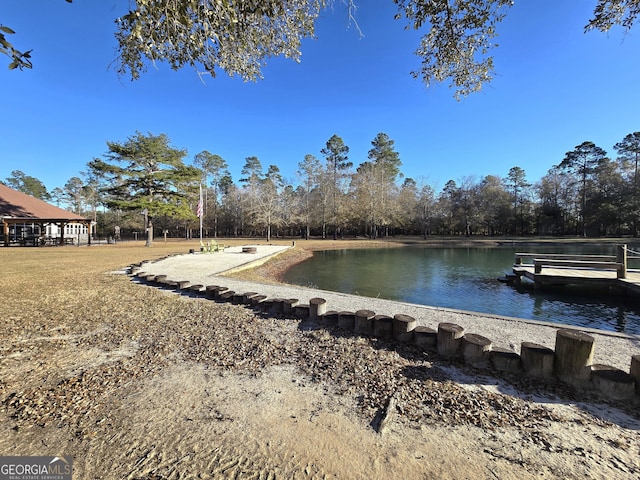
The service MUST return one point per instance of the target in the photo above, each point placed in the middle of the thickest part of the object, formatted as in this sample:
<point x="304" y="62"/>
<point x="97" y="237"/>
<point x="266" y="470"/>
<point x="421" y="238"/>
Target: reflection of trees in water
<point x="586" y="307"/>
<point x="465" y="279"/>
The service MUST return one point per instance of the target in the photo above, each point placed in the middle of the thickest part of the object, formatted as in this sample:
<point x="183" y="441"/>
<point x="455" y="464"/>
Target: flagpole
<point x="200" y="211"/>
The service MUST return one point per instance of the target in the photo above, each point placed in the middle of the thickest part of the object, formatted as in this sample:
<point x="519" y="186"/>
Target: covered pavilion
<point x="21" y="213"/>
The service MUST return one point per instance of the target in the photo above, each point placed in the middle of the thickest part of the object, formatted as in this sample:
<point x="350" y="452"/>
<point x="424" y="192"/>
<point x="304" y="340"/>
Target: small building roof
<point x="17" y="205"/>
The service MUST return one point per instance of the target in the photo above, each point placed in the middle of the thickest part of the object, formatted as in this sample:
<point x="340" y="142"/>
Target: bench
<point x="211" y="246"/>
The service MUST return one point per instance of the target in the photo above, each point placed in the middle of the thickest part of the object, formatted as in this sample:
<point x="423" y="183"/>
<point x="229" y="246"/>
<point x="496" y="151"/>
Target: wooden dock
<point x="608" y="271"/>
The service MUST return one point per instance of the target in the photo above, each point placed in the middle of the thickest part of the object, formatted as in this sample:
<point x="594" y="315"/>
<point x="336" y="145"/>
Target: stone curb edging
<point x="570" y="362"/>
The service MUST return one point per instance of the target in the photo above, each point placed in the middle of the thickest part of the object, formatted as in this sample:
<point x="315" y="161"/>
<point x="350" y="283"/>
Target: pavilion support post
<point x="61" y="226"/>
<point x="5" y="230"/>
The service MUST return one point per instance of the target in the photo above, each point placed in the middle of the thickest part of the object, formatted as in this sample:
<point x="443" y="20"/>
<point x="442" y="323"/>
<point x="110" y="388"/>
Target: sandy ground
<point x="198" y="389"/>
<point x="318" y="434"/>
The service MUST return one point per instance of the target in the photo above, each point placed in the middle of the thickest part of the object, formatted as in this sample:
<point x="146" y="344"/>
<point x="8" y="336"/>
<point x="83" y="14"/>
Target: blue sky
<point x="555" y="88"/>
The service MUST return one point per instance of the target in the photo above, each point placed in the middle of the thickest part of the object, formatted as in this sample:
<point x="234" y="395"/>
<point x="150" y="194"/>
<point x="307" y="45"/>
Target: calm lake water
<point x="465" y="279"/>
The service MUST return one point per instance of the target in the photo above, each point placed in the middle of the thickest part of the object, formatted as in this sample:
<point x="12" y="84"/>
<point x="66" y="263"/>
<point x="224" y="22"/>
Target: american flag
<point x="199" y="210"/>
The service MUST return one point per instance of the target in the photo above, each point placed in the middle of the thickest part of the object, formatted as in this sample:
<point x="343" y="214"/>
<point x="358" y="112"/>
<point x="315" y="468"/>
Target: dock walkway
<point x="598" y="270"/>
<point x="580" y="276"/>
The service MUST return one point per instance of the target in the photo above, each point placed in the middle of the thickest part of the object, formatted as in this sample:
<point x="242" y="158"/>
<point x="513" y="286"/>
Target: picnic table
<point x="52" y="241"/>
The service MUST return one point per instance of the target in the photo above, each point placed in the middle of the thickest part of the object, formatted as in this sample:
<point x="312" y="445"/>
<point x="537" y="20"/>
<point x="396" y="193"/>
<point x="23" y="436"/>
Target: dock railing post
<point x="537" y="265"/>
<point x="621" y="260"/>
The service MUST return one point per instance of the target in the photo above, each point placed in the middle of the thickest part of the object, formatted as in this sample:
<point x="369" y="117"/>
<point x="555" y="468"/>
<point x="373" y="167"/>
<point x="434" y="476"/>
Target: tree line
<point x="587" y="193"/>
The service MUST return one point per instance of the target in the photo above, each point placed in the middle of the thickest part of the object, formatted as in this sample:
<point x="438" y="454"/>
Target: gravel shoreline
<point x="611" y="348"/>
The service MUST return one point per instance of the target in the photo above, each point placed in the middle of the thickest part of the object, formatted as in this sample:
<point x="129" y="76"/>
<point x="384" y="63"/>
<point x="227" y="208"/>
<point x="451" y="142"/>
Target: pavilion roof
<point x="18" y="205"/>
